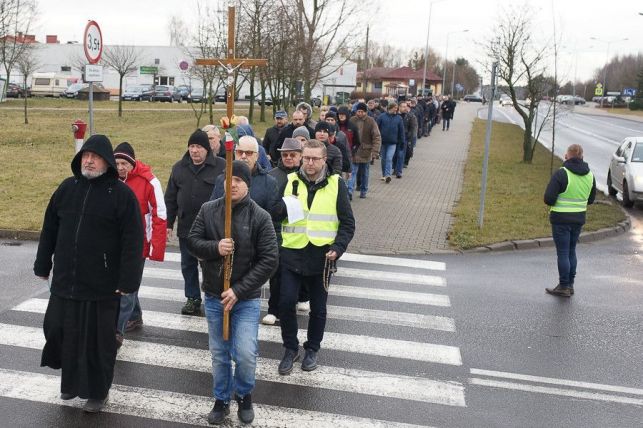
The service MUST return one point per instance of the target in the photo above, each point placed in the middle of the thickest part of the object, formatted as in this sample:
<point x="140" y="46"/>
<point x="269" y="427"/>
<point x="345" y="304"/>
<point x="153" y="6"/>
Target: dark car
<point x="17" y="91"/>
<point x="72" y="90"/>
<point x="197" y="95"/>
<point x="184" y="90"/>
<point x="166" y="93"/>
<point x="138" y="93"/>
<point x="222" y="95"/>
<point x="472" y="98"/>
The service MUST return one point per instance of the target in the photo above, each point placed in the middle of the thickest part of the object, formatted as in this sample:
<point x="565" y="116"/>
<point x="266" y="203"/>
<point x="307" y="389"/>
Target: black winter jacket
<point x="93" y="229"/>
<point x="186" y="190"/>
<point x="286" y="132"/>
<point x="310" y="259"/>
<point x="558" y="184"/>
<point x="256" y="254"/>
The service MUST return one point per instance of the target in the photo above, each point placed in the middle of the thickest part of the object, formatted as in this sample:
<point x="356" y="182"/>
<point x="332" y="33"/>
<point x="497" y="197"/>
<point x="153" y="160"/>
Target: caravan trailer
<point x="50" y="84"/>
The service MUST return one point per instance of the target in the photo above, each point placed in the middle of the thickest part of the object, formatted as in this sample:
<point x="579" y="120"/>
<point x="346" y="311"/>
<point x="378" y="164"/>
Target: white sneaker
<point x="303" y="306"/>
<point x="269" y="319"/>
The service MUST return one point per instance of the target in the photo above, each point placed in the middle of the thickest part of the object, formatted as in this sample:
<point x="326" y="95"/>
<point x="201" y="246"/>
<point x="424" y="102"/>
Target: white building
<point x="67" y="59"/>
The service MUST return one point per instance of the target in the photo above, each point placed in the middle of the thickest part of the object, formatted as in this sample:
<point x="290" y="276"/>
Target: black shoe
<point x="559" y="291"/>
<point x="387" y="179"/>
<point x="192" y="307"/>
<point x="350" y="196"/>
<point x="95" y="405"/>
<point x="133" y="325"/>
<point x="245" y="411"/>
<point x="571" y="289"/>
<point x="290" y="356"/>
<point x="362" y="195"/>
<point x="218" y="413"/>
<point x="309" y="363"/>
<point x="398" y="176"/>
<point x="67" y="396"/>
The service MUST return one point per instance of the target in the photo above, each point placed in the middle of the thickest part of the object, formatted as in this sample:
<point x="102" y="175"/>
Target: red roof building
<point x="397" y="81"/>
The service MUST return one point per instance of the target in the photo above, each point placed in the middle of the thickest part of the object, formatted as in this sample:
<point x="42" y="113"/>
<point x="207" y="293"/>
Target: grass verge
<point x="514" y="207"/>
<point x="36" y="157"/>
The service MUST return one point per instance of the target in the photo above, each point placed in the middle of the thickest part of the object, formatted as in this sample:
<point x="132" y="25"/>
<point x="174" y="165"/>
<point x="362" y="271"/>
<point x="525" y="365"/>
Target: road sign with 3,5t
<point x="93" y="42"/>
<point x="148" y="70"/>
<point x="599" y="90"/>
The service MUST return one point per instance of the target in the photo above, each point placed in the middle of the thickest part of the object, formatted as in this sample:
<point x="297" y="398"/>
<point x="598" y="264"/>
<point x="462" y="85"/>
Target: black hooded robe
<point x="93" y="230"/>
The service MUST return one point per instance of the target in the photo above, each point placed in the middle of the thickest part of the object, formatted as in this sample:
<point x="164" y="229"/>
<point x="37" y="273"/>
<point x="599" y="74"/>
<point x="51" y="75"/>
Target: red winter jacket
<point x="149" y="194"/>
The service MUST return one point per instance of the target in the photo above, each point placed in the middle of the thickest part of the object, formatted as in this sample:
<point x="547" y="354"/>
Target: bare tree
<point x="178" y="31"/>
<point x="124" y="60"/>
<point x="16" y="19"/>
<point x="521" y="61"/>
<point x="27" y="63"/>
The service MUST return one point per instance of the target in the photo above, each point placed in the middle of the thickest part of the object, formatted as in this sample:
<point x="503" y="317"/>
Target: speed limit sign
<point x="93" y="42"/>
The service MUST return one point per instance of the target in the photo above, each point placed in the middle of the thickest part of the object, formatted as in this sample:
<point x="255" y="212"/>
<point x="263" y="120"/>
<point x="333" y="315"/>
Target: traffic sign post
<point x="599" y="90"/>
<point x="93" y="46"/>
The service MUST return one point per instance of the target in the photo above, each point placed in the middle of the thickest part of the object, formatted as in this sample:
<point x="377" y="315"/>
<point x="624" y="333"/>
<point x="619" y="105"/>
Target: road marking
<point x="607" y="122"/>
<point x="555" y="391"/>
<point x="591" y="134"/>
<point x="555" y="381"/>
<point x="172" y="406"/>
<point x="418" y="351"/>
<point x="390" y="295"/>
<point x="362" y="258"/>
<point x="326" y="377"/>
<point x="373" y="275"/>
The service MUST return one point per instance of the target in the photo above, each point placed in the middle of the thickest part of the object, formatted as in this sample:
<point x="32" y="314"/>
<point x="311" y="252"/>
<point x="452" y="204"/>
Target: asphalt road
<point x="455" y="341"/>
<point x="600" y="135"/>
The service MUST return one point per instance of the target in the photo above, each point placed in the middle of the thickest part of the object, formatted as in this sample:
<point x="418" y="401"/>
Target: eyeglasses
<point x="248" y="153"/>
<point x="289" y="154"/>
<point x="307" y="159"/>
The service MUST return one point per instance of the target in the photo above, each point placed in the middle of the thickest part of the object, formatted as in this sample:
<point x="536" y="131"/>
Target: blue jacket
<point x="263" y="158"/>
<point x="263" y="189"/>
<point x="391" y="129"/>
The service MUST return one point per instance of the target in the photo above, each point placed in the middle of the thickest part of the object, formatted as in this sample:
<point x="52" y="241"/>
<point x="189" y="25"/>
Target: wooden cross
<point x="230" y="63"/>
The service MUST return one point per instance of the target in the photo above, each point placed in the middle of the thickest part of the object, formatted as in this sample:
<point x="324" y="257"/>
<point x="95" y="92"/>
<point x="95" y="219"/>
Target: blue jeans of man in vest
<point x="565" y="237"/>
<point x="242" y="347"/>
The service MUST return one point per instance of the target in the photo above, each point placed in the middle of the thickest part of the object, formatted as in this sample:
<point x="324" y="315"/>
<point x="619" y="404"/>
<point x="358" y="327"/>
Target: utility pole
<point x="487" y="143"/>
<point x="365" y="74"/>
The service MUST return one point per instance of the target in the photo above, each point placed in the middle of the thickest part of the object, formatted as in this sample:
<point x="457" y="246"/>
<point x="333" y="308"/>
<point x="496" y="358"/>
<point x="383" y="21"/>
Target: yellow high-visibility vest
<point x="320" y="223"/>
<point x="574" y="198"/>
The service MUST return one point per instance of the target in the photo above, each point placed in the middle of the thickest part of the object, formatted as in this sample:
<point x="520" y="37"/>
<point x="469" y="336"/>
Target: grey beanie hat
<point x="302" y="131"/>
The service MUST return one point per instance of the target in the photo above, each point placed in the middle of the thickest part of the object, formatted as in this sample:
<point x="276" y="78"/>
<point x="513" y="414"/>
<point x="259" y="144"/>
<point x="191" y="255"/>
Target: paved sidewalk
<point x="412" y="215"/>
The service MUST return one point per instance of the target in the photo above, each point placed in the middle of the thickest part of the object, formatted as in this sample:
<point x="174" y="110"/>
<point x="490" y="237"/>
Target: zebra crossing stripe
<point x="362" y="258"/>
<point x="173" y="406"/>
<point x="427" y="352"/>
<point x="405" y="319"/>
<point x="373" y="275"/>
<point x="387" y="295"/>
<point x="334" y="378"/>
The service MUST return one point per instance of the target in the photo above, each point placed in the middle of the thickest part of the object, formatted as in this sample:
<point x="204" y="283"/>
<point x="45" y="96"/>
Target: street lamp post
<point x="426" y="52"/>
<point x="607" y="57"/>
<point x="446" y="53"/>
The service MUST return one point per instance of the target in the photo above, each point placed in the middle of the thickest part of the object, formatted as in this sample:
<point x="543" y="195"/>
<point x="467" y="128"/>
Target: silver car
<point x="626" y="171"/>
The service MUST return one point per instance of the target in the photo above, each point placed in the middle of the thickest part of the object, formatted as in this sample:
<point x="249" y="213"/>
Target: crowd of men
<point x="291" y="198"/>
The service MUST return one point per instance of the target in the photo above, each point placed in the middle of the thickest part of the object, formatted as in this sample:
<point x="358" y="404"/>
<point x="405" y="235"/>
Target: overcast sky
<point x="402" y="23"/>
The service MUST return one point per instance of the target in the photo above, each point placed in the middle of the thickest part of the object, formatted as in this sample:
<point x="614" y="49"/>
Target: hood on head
<point x="100" y="145"/>
<point x="245" y="130"/>
<point x="307" y="107"/>
<point x="345" y="111"/>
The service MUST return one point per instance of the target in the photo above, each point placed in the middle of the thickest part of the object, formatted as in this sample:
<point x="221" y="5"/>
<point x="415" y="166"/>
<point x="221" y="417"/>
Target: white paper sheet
<point x="295" y="210"/>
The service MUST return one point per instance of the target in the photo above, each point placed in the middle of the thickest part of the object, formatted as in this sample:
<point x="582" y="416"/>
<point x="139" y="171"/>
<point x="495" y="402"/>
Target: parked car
<point x="625" y="174"/>
<point x="268" y="101"/>
<point x="166" y="93"/>
<point x="17" y="91"/>
<point x="197" y="95"/>
<point x="72" y="90"/>
<point x="579" y="100"/>
<point x="184" y="90"/>
<point x="472" y="98"/>
<point x="138" y="93"/>
<point x="505" y="100"/>
<point x="222" y="95"/>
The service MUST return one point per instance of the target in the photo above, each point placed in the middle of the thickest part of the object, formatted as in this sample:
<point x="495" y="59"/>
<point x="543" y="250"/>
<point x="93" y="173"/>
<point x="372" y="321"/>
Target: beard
<point x="92" y="174"/>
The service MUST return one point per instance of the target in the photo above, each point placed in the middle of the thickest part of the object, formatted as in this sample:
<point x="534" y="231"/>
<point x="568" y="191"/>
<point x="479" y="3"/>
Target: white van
<point x="49" y="84"/>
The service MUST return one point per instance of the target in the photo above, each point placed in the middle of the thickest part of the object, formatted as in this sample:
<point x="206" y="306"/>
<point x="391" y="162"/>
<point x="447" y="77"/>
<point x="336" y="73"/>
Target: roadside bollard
<point x="78" y="128"/>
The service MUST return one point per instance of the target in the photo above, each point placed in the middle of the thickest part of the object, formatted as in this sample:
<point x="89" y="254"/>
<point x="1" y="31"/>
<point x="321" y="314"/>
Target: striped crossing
<point x="386" y="292"/>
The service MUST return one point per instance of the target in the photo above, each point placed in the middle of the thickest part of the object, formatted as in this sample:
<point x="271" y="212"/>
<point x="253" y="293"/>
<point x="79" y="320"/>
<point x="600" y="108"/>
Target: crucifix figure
<point x="230" y="63"/>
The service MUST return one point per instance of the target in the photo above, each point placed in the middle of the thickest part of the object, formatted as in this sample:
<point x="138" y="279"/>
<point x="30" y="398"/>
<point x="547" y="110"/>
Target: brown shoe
<point x="119" y="341"/>
<point x="559" y="291"/>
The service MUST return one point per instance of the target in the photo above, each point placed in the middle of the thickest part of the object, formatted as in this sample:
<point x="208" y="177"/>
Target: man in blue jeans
<point x="255" y="258"/>
<point x="568" y="193"/>
<point x="392" y="131"/>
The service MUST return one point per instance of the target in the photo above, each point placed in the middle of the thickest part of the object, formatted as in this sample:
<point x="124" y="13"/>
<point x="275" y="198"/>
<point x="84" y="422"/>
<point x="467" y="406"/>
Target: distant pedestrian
<point x="147" y="189"/>
<point x="446" y="109"/>
<point x="569" y="191"/>
<point x="368" y="150"/>
<point x="255" y="254"/>
<point x="189" y="186"/>
<point x="93" y="230"/>
<point x="297" y="121"/>
<point x="214" y="137"/>
<point x="409" y="118"/>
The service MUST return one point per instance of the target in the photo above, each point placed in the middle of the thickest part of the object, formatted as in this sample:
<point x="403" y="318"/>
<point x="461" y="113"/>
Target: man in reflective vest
<point x="317" y="226"/>
<point x="569" y="191"/>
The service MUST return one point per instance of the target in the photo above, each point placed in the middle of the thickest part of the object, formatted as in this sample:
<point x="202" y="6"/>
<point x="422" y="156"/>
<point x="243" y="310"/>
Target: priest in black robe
<point x="91" y="237"/>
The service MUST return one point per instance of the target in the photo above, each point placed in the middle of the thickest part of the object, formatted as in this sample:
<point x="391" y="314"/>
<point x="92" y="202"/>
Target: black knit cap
<point x="331" y="114"/>
<point x="242" y="170"/>
<point x="323" y="126"/>
<point x="126" y="152"/>
<point x="201" y="138"/>
<point x="362" y="106"/>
